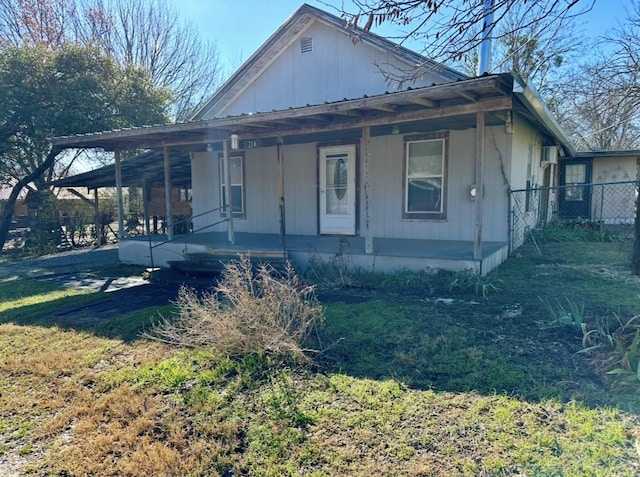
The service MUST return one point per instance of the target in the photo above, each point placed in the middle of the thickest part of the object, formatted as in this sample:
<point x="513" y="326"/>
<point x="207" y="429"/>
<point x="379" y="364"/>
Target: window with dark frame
<point x="236" y="169"/>
<point x="425" y="176"/>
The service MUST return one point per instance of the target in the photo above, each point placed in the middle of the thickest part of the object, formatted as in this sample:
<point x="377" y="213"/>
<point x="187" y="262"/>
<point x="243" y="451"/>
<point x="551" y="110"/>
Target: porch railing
<point x="188" y="234"/>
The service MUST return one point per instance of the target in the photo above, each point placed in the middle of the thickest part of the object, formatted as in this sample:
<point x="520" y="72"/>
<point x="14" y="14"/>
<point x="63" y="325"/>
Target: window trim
<point x="444" y="138"/>
<point x="242" y="214"/>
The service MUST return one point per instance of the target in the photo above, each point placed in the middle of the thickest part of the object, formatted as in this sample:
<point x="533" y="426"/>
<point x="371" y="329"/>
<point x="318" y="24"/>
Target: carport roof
<point x="136" y="170"/>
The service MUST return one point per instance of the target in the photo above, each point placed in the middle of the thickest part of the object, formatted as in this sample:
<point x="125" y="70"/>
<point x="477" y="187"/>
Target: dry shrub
<point x="249" y="311"/>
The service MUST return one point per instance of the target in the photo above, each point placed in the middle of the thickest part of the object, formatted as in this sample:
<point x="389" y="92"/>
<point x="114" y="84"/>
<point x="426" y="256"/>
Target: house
<point x="317" y="149"/>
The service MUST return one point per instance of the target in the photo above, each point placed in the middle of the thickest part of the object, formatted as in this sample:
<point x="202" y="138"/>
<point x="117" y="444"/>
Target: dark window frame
<point x="425" y="215"/>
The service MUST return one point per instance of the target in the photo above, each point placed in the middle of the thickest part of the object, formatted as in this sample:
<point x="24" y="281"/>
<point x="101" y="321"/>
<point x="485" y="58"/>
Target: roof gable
<point x="352" y="53"/>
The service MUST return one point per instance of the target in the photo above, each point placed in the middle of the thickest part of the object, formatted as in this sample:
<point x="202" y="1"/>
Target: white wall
<point x="261" y="187"/>
<point x="386" y="179"/>
<point x="205" y="191"/>
<point x="614" y="203"/>
<point x="336" y="69"/>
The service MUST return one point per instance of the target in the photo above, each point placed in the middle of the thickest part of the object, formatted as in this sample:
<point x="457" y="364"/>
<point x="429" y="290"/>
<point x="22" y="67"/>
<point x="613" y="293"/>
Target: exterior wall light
<point x="234" y="141"/>
<point x="473" y="192"/>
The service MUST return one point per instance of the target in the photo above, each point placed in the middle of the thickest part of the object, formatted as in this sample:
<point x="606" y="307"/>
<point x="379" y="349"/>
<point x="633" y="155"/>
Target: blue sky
<point x="239" y="27"/>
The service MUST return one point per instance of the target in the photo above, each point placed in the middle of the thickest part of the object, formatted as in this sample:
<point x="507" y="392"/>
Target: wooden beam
<point x="468" y="95"/>
<point x="227" y="191"/>
<point x="119" y="195"/>
<point x="97" y="218"/>
<point x="479" y="178"/>
<point x="344" y="112"/>
<point x="496" y="104"/>
<point x="81" y="197"/>
<point x="429" y="103"/>
<point x="146" y="192"/>
<point x="365" y="143"/>
<point x="261" y="125"/>
<point x="386" y="107"/>
<point x="167" y="193"/>
<point x="281" y="202"/>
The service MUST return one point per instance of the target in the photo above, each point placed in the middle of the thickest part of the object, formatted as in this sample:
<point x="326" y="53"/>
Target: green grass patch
<point x="419" y="375"/>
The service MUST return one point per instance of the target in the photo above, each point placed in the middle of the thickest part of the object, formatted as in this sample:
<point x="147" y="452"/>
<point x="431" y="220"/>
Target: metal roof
<point x="450" y="106"/>
<point x="434" y="104"/>
<point x="147" y="167"/>
<point x="603" y="154"/>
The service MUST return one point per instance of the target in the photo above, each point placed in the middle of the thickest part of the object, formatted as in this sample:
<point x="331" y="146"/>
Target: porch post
<point x="479" y="175"/>
<point x="227" y="190"/>
<point x="97" y="217"/>
<point x="365" y="144"/>
<point x="167" y="193"/>
<point x="146" y="189"/>
<point x="283" y="226"/>
<point x="119" y="196"/>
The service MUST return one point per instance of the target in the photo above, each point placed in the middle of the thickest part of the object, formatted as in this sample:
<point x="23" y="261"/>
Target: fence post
<point x="511" y="214"/>
<point x="602" y="212"/>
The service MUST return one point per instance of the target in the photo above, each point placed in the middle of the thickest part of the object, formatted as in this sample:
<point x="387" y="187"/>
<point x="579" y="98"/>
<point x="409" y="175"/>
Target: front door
<point x="337" y="193"/>
<point x="575" y="197"/>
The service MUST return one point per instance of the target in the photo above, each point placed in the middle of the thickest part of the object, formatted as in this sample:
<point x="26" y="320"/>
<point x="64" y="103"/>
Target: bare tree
<point x="542" y="58"/>
<point x="621" y="69"/>
<point x="143" y="34"/>
<point x="149" y="34"/>
<point x="601" y="99"/>
<point x="451" y="29"/>
<point x="596" y="116"/>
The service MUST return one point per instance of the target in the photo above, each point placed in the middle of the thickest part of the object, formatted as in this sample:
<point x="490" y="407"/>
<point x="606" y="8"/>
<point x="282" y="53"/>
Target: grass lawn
<point x="419" y="375"/>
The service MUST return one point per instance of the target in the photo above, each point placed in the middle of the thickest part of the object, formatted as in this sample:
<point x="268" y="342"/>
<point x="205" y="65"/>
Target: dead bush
<point x="250" y="311"/>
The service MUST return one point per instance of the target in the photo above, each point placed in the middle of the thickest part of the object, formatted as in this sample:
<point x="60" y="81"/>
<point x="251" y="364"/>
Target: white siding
<point x="614" y="169"/>
<point x="301" y="193"/>
<point x="386" y="179"/>
<point x="205" y="191"/>
<point x="524" y="137"/>
<point x="337" y="68"/>
<point x="614" y="203"/>
<point x="261" y="192"/>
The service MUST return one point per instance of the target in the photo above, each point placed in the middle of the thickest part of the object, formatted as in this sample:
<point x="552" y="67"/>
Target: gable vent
<point x="306" y="45"/>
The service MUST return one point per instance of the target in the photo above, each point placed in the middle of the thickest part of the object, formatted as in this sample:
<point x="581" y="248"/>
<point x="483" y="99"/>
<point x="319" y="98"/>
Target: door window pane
<point x="575" y="174"/>
<point x="337" y="179"/>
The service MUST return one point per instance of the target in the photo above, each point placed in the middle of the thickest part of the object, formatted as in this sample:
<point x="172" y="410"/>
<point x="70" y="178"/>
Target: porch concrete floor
<point x="325" y="244"/>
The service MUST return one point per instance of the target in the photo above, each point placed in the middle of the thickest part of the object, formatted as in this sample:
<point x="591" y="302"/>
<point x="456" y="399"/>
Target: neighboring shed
<point x="611" y="194"/>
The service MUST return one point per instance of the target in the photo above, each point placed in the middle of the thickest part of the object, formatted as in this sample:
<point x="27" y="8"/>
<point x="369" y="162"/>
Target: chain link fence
<point x="577" y="212"/>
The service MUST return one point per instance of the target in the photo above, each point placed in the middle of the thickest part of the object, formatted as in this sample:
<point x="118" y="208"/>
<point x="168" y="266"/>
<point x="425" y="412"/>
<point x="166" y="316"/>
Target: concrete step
<point x="213" y="262"/>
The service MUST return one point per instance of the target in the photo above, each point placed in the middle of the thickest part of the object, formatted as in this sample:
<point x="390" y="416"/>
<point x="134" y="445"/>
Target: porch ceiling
<point x="147" y="167"/>
<point x="446" y="106"/>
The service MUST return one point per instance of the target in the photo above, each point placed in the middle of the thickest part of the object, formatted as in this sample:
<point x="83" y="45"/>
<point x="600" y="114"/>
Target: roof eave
<point x="532" y="101"/>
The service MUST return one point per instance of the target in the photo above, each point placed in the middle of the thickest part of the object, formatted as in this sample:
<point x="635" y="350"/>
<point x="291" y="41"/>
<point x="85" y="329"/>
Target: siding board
<point x="337" y="68"/>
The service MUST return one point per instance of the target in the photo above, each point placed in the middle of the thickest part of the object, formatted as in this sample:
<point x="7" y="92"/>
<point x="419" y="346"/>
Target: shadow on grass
<point x="122" y="314"/>
<point x="404" y="330"/>
<point x="460" y="342"/>
<point x="455" y="346"/>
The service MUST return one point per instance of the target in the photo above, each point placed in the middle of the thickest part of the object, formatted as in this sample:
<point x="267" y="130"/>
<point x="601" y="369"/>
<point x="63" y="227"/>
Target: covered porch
<point x="469" y="105"/>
